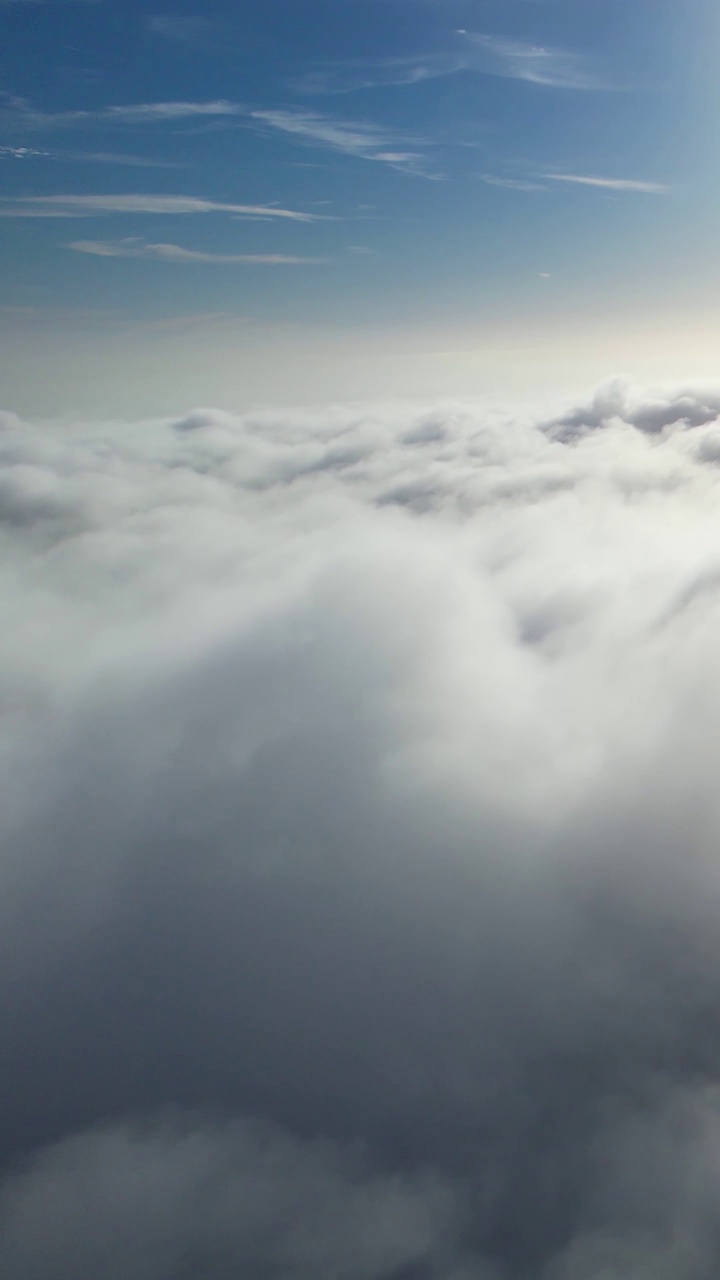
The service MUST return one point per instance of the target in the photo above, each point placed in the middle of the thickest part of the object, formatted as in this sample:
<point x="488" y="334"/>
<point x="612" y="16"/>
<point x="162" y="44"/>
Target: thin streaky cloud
<point x="121" y="318"/>
<point x="88" y="157"/>
<point x="73" y="206"/>
<point x="199" y="319"/>
<point x="535" y="64"/>
<point x="361" y="140"/>
<point x="56" y="313"/>
<point x="353" y="75"/>
<point x="344" y="135"/>
<point x="154" y="111"/>
<point x="472" y="52"/>
<point x="141" y="113"/>
<point x="610" y="184"/>
<point x="511" y="184"/>
<point x="177" y="254"/>
<point x="23" y="153"/>
<point x="110" y="157"/>
<point x="189" y="29"/>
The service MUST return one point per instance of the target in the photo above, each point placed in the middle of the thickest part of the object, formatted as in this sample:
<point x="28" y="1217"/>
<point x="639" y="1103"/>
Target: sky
<point x="359" y="675"/>
<point x="310" y="199"/>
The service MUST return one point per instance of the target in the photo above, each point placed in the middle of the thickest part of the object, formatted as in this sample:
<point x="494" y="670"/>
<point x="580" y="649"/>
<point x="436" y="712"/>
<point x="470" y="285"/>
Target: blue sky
<point x="295" y="184"/>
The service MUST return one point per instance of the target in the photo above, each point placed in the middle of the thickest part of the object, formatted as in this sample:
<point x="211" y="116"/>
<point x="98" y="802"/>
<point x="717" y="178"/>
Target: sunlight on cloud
<point x="359" y="809"/>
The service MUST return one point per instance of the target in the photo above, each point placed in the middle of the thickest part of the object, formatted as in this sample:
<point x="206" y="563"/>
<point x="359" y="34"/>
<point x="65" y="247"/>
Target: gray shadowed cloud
<point x="359" y="813"/>
<point x="243" y="1190"/>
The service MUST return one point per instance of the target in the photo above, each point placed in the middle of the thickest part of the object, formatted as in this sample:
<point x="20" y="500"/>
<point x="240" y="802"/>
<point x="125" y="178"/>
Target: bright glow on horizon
<point x="394" y="167"/>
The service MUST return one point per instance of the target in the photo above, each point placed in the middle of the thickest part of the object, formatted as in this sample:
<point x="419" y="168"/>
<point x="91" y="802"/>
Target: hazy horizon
<point x="469" y="195"/>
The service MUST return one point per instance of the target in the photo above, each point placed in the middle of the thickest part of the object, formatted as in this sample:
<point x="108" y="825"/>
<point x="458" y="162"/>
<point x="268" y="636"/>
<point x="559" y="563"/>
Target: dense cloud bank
<point x="360" y="818"/>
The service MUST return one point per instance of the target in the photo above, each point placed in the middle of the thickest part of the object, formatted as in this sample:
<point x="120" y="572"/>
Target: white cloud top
<point x="360" y="822"/>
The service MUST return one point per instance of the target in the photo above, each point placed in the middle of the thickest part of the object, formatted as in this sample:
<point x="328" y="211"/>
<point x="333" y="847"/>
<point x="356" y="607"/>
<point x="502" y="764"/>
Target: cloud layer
<point x="359" y="812"/>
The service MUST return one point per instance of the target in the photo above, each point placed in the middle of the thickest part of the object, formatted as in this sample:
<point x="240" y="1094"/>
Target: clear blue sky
<point x="274" y="199"/>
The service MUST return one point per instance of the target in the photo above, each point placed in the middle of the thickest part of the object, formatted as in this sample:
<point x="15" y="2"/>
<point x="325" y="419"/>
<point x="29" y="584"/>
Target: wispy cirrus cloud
<point x="152" y="112"/>
<point x="469" y="51"/>
<point x="535" y="64"/>
<point x="355" y="74"/>
<point x="194" y="320"/>
<point x="512" y="184"/>
<point x="142" y="113"/>
<point x="539" y="182"/>
<point x="611" y="184"/>
<point x="23" y="153"/>
<point x="53" y="314"/>
<point x="192" y="29"/>
<point x="363" y="140"/>
<point x="75" y="206"/>
<point x="88" y="157"/>
<point x="50" y="315"/>
<point x="175" y="253"/>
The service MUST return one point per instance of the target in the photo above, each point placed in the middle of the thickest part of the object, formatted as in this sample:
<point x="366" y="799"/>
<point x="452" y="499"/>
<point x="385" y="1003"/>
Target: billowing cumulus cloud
<point x="360" y="828"/>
